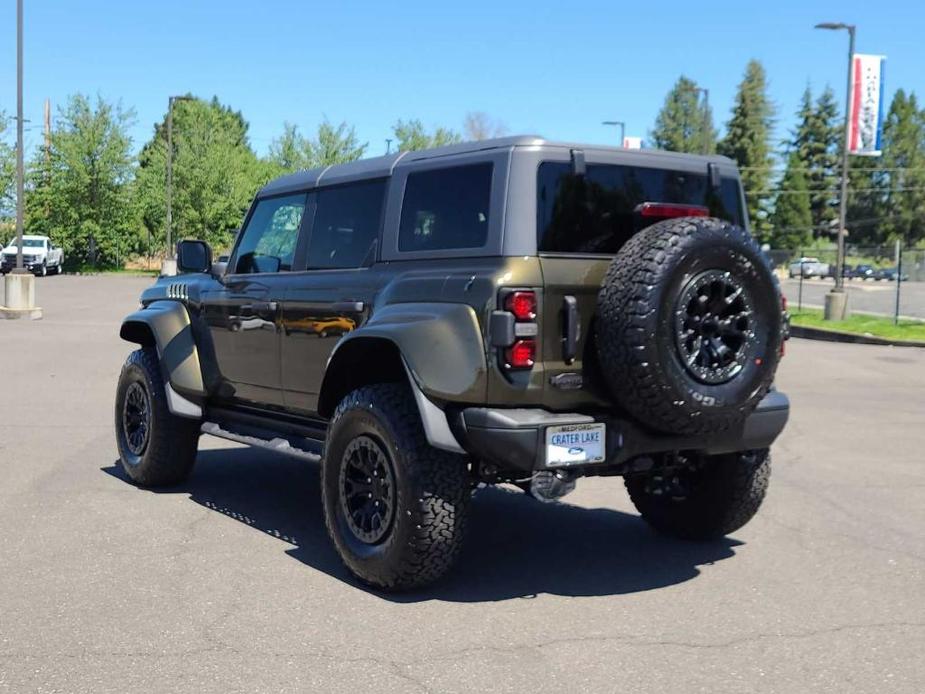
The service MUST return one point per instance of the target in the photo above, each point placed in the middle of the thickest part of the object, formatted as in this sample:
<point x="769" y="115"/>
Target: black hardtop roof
<point x="381" y="167"/>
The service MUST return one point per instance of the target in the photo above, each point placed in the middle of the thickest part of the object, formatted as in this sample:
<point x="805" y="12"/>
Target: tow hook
<point x="551" y="485"/>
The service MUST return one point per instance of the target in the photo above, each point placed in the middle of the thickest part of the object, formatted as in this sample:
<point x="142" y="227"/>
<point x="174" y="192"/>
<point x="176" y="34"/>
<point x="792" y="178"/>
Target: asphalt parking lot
<point x="228" y="583"/>
<point x="863" y="295"/>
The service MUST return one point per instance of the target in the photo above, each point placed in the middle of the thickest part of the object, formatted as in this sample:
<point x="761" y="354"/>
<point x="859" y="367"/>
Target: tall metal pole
<point x="706" y="121"/>
<point x="170" y="178"/>
<point x="622" y="129"/>
<point x="20" y="187"/>
<point x="843" y="202"/>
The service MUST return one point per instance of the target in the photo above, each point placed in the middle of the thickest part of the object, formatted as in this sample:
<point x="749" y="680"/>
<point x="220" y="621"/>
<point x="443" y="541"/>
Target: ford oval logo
<point x="575" y="450"/>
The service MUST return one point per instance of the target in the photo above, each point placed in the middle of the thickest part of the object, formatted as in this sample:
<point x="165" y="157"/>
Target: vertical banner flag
<point x="865" y="125"/>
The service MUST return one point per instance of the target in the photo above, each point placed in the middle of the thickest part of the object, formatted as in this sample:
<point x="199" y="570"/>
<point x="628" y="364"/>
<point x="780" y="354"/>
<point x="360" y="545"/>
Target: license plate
<point x="575" y="444"/>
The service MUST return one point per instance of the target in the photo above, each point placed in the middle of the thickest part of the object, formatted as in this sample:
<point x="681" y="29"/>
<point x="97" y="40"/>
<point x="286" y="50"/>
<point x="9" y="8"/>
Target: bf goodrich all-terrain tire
<point x="394" y="507"/>
<point x="689" y="326"/>
<point x="156" y="448"/>
<point x="716" y="496"/>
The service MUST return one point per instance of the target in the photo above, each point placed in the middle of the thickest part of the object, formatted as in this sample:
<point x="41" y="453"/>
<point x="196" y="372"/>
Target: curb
<point x="848" y="338"/>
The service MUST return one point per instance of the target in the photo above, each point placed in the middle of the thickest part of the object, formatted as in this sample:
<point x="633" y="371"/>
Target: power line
<point x="833" y="191"/>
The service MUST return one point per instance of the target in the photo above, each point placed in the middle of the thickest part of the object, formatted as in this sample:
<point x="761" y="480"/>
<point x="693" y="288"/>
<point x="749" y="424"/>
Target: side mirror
<point x="194" y="256"/>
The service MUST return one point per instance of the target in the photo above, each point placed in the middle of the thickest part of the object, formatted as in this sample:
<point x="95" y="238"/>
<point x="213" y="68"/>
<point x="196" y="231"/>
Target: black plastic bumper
<point x="515" y="438"/>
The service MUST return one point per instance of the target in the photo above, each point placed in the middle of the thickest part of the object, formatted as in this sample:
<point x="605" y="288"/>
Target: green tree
<point x="904" y="166"/>
<point x="792" y="219"/>
<point x="7" y="170"/>
<point x="412" y="135"/>
<point x="748" y="142"/>
<point x="215" y="174"/>
<point x="332" y="145"/>
<point x="82" y="197"/>
<point x="479" y="126"/>
<point x="817" y="142"/>
<point x="684" y="124"/>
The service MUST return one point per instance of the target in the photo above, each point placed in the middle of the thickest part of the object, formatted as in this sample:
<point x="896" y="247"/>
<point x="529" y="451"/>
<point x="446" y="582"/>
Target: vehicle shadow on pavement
<point x="515" y="547"/>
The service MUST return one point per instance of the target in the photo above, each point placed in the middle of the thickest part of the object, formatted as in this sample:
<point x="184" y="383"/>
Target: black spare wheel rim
<point x="136" y="418"/>
<point x="367" y="490"/>
<point x="714" y="329"/>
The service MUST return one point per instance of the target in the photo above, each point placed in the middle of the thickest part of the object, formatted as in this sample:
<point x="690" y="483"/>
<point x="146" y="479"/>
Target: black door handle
<point x="261" y="308"/>
<point x="571" y="328"/>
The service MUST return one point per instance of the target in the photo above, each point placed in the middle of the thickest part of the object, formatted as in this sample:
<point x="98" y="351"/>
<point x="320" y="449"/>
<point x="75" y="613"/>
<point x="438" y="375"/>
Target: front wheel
<point x="156" y="448"/>
<point x="702" y="497"/>
<point x="44" y="271"/>
<point x="394" y="507"/>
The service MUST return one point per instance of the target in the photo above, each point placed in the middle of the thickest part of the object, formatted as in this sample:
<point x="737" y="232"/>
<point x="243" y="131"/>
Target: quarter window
<point x="446" y="208"/>
<point x="346" y="225"/>
<point x="269" y="240"/>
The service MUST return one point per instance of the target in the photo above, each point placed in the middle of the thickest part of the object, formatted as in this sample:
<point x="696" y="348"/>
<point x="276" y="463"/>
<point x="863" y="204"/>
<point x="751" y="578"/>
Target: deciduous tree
<point x="412" y="135"/>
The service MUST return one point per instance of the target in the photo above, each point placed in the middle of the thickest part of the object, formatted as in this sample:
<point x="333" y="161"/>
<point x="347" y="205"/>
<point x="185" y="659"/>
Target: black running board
<point x="295" y="436"/>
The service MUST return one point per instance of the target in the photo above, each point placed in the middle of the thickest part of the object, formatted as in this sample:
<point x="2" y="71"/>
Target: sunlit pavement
<point x="228" y="583"/>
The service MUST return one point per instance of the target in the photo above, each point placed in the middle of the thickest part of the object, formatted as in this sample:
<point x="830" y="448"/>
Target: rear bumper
<point x="515" y="438"/>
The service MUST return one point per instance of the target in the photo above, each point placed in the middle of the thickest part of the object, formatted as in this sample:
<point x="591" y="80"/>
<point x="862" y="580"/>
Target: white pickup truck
<point x="39" y="255"/>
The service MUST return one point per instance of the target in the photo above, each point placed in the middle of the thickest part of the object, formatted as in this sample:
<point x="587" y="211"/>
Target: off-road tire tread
<point x="737" y="489"/>
<point x="629" y="294"/>
<point x="439" y="511"/>
<point x="173" y="441"/>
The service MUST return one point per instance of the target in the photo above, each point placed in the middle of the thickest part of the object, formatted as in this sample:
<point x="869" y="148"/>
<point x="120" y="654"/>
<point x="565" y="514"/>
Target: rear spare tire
<point x="689" y="326"/>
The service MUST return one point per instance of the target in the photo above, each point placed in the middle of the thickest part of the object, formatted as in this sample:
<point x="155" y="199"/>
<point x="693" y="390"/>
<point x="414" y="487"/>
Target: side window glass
<point x="346" y="225"/>
<point x="446" y="209"/>
<point x="269" y="240"/>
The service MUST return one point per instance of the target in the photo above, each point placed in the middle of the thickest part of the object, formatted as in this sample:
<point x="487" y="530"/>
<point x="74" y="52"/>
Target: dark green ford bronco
<point x="512" y="311"/>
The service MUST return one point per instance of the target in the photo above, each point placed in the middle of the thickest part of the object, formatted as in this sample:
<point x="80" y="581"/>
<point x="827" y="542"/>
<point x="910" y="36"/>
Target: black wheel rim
<point x="136" y="418"/>
<point x="367" y="490"/>
<point x="714" y="326"/>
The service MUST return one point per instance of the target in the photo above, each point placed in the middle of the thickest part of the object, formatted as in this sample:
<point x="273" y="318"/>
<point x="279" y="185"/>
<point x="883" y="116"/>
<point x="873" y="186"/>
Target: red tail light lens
<point x="669" y="210"/>
<point x="521" y="355"/>
<point x="521" y="304"/>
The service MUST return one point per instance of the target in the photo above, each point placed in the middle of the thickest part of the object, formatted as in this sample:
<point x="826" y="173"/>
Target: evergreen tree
<point x="82" y="198"/>
<point x="817" y="142"/>
<point x="792" y="218"/>
<point x="412" y="135"/>
<point x="683" y="124"/>
<point x="747" y="141"/>
<point x="904" y="165"/>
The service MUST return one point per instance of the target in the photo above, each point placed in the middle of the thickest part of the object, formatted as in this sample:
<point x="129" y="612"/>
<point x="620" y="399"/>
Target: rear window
<point x="597" y="213"/>
<point x="446" y="208"/>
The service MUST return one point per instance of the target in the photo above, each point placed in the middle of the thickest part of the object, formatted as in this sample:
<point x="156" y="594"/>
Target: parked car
<point x="846" y="270"/>
<point x="864" y="272"/>
<point x="483" y="336"/>
<point x="39" y="255"/>
<point x="889" y="274"/>
<point x="809" y="267"/>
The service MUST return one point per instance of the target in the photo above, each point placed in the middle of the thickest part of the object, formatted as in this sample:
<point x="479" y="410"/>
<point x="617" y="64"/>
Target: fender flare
<point x="166" y="326"/>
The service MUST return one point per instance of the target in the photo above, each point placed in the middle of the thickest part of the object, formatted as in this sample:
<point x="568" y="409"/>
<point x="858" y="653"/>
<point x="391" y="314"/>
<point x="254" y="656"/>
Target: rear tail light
<point x="521" y="355"/>
<point x="522" y="304"/>
<point x="669" y="210"/>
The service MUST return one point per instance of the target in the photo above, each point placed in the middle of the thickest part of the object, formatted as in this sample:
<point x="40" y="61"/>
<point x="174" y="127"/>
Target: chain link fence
<point x="884" y="280"/>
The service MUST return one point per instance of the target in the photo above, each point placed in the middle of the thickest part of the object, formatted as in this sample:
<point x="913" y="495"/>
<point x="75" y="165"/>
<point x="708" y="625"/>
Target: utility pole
<point x="20" y="186"/>
<point x="388" y="145"/>
<point x="836" y="301"/>
<point x="622" y="128"/>
<point x="169" y="265"/>
<point x="19" y="285"/>
<point x="47" y="133"/>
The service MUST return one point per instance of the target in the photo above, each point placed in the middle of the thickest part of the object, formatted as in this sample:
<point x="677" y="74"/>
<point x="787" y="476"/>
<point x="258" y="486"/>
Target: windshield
<point x="597" y="212"/>
<point x="28" y="243"/>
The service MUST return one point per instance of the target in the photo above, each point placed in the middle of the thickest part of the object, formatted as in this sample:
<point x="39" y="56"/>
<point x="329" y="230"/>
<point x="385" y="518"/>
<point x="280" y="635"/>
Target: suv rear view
<point x="511" y="311"/>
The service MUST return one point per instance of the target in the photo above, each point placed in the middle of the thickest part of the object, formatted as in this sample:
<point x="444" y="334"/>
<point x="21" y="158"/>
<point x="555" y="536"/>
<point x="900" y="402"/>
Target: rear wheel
<point x="394" y="507"/>
<point x="156" y="448"/>
<point x="703" y="497"/>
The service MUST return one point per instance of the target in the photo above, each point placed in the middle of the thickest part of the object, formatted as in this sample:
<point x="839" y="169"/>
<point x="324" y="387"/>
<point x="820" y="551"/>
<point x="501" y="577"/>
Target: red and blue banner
<point x="865" y="124"/>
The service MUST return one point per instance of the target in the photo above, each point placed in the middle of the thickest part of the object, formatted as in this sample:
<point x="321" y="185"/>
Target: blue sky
<point x="551" y="68"/>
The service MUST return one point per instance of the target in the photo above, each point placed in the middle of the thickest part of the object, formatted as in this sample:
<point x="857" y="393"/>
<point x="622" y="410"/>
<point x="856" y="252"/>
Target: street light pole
<point x="836" y="301"/>
<point x="706" y="119"/>
<point x="20" y="186"/>
<point x="170" y="102"/>
<point x="622" y="129"/>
